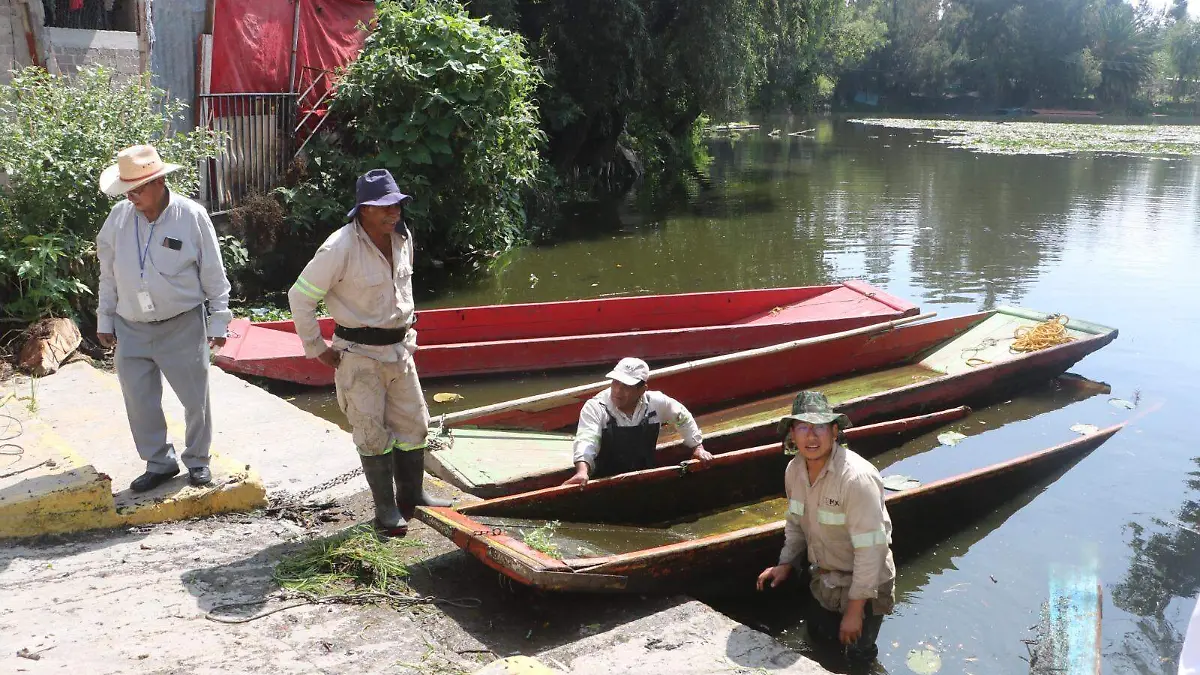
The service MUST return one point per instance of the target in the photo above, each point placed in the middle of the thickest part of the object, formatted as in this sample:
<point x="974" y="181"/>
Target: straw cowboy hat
<point x="136" y="166"/>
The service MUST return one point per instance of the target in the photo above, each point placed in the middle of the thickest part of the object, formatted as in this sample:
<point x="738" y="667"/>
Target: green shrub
<point x="445" y="103"/>
<point x="56" y="135"/>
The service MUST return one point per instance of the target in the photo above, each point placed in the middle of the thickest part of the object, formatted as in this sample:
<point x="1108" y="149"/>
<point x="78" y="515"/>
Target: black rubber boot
<point x="378" y="470"/>
<point x="410" y="483"/>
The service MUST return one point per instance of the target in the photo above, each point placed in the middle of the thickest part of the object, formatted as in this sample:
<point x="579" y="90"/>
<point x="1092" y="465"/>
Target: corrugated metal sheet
<point x="175" y="27"/>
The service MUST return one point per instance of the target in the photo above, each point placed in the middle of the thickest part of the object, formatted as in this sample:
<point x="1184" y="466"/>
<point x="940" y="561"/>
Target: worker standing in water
<point x="837" y="518"/>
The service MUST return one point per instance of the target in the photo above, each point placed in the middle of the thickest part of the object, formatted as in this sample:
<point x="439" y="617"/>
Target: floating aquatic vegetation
<point x="950" y="437"/>
<point x="899" y="482"/>
<point x="1054" y="138"/>
<point x="542" y="539"/>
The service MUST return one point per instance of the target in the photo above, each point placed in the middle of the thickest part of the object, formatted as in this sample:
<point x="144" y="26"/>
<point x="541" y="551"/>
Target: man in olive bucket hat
<point x="363" y="272"/>
<point x="836" y="513"/>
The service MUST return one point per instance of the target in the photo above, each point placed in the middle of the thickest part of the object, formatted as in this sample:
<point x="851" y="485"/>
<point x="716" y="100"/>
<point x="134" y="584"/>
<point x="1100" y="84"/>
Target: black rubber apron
<point x="625" y="449"/>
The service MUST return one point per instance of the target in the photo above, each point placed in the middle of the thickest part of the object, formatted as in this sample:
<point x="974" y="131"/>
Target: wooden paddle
<point x="545" y="400"/>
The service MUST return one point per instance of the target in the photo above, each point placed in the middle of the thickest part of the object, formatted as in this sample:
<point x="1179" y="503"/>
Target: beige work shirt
<point x="360" y="290"/>
<point x="842" y="521"/>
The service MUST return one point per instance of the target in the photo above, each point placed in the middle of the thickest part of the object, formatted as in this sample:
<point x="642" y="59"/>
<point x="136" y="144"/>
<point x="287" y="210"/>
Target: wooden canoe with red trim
<point x="488" y="463"/>
<point x="871" y="375"/>
<point x="554" y="335"/>
<point x="661" y="530"/>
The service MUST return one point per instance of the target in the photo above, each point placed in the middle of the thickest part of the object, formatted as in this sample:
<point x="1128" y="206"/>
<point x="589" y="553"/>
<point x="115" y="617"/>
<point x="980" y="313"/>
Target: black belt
<point x="377" y="337"/>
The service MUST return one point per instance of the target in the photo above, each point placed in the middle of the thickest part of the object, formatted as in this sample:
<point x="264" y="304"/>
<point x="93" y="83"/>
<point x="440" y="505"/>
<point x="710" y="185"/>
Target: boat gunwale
<point x="612" y="565"/>
<point x="940" y="485"/>
<point x="865" y="432"/>
<point x="1019" y="362"/>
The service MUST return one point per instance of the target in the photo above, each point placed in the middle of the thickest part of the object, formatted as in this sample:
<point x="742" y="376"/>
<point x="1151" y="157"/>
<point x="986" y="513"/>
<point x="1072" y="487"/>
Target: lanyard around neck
<point x="143" y="253"/>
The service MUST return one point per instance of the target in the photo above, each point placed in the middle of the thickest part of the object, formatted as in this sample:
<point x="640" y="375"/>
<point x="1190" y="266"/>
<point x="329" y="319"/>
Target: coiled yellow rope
<point x="1049" y="333"/>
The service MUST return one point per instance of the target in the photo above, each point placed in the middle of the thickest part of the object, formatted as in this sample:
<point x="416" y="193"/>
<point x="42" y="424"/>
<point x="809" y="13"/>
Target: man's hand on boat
<point x="330" y="357"/>
<point x="775" y="575"/>
<point x="701" y="454"/>
<point x="581" y="475"/>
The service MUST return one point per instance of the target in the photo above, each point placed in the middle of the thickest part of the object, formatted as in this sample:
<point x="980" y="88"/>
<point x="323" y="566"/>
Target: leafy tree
<point x="56" y="135"/>
<point x="1125" y="49"/>
<point x="445" y="102"/>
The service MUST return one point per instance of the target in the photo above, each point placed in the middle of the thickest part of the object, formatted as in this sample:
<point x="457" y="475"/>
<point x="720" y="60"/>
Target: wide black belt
<point x="378" y="337"/>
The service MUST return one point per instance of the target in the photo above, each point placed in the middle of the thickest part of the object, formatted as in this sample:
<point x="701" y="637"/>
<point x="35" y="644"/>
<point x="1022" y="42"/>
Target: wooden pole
<point x="452" y="418"/>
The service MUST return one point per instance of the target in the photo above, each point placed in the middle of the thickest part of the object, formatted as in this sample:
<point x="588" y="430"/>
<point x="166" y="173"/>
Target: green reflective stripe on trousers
<point x="869" y="539"/>
<point x="795" y="507"/>
<point x="407" y="447"/>
<point x="830" y="518"/>
<point x="307" y="288"/>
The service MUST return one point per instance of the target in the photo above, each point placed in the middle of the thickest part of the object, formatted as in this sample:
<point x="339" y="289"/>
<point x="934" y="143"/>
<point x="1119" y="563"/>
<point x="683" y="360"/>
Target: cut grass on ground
<point x="357" y="559"/>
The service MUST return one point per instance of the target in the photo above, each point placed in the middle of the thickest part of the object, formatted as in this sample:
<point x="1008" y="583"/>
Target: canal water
<point x="1113" y="240"/>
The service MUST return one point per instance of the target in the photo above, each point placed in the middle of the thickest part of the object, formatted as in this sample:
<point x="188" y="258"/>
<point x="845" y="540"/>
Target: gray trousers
<point x="176" y="349"/>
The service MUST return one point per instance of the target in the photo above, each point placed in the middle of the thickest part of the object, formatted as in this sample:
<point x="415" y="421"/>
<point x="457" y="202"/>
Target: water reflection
<point x="1165" y="567"/>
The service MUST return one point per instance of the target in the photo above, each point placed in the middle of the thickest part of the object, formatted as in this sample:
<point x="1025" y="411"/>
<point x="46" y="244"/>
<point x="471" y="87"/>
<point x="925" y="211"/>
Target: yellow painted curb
<point x="75" y="497"/>
<point x="86" y="504"/>
<point x="72" y="496"/>
<point x="241" y="491"/>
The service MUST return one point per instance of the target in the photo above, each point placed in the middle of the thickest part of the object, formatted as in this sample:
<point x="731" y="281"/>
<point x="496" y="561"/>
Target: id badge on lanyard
<point x="143" y="295"/>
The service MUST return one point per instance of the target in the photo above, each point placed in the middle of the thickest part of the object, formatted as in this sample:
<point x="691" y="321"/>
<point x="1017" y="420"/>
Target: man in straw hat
<point x="363" y="272"/>
<point x="618" y="428"/>
<point x="159" y="265"/>
<point x="836" y="515"/>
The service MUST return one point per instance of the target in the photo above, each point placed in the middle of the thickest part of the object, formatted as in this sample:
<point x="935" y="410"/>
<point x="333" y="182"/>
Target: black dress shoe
<point x="151" y="480"/>
<point x="199" y="476"/>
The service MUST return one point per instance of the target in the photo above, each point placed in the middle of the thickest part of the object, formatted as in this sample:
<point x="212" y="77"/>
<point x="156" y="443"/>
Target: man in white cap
<point x="159" y="266"/>
<point x="363" y="272"/>
<point x="618" y="428"/>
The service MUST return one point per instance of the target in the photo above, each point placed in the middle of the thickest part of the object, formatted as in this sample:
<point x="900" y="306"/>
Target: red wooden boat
<point x="497" y="462"/>
<point x="871" y="374"/>
<point x="662" y="530"/>
<point x="552" y="335"/>
<point x="493" y="463"/>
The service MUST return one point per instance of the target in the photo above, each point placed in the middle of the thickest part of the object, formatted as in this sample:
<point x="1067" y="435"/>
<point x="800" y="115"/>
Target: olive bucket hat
<point x="814" y="408"/>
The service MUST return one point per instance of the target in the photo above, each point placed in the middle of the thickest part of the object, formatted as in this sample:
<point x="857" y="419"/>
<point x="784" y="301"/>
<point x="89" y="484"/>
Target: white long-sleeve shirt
<point x="841" y="521"/>
<point x="177" y="279"/>
<point x="595" y="415"/>
<point x="360" y="290"/>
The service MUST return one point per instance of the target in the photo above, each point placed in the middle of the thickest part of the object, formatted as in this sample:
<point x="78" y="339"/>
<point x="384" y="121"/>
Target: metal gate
<point x="258" y="132"/>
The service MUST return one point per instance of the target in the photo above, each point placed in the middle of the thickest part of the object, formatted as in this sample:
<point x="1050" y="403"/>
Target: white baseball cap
<point x="630" y="371"/>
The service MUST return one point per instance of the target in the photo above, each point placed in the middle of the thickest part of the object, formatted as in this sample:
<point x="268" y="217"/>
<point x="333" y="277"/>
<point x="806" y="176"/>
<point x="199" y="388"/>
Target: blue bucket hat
<point x="376" y="188"/>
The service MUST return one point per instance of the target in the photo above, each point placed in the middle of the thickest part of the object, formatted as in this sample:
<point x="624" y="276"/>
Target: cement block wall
<point x="62" y="50"/>
<point x="71" y="49"/>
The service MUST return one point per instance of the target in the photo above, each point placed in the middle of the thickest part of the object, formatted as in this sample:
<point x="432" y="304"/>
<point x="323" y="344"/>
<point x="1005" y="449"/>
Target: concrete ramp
<point x="71" y="460"/>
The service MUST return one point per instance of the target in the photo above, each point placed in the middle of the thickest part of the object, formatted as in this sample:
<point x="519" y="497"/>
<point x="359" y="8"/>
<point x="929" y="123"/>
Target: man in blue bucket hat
<point x="363" y="272"/>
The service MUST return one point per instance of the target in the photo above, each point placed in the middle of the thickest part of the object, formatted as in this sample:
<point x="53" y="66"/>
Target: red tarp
<point x="252" y="42"/>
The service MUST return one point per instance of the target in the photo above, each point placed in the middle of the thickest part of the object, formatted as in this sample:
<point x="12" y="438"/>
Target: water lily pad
<point x="1121" y="403"/>
<point x="950" y="437"/>
<point x="924" y="661"/>
<point x="1085" y="429"/>
<point x="447" y="398"/>
<point x="898" y="482"/>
